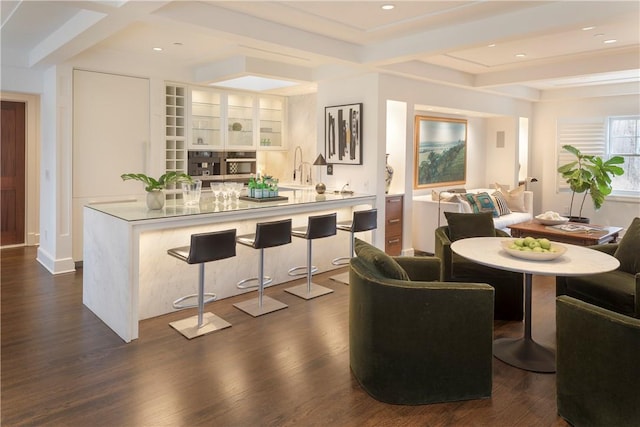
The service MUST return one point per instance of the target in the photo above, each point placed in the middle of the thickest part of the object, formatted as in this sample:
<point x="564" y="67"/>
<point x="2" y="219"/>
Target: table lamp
<point x="320" y="161"/>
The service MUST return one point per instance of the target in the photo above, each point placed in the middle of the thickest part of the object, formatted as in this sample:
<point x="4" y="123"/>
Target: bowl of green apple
<point x="533" y="249"/>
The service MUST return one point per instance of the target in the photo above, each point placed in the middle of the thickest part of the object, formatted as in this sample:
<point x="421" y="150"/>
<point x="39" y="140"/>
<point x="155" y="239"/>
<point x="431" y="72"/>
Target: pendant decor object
<point x="155" y="199"/>
<point x="388" y="175"/>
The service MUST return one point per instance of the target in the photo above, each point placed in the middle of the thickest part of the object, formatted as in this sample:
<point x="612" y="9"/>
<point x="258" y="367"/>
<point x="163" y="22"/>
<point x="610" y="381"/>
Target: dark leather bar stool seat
<point x="204" y="247"/>
<point x="318" y="226"/>
<point x="267" y="235"/>
<point x="364" y="220"/>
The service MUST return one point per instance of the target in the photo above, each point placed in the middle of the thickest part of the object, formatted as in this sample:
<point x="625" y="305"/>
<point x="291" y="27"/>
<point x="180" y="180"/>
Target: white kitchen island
<point x="128" y="275"/>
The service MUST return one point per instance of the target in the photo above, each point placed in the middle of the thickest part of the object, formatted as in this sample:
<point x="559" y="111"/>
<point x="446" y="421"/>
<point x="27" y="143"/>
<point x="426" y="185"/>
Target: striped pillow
<point x="501" y="203"/>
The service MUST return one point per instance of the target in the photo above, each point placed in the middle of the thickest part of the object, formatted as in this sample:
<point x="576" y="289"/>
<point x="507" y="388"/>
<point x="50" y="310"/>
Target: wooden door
<point x="12" y="173"/>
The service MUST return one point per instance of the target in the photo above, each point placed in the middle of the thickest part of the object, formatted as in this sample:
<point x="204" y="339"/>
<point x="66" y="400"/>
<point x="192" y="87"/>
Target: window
<point x="615" y="136"/>
<point x="624" y="140"/>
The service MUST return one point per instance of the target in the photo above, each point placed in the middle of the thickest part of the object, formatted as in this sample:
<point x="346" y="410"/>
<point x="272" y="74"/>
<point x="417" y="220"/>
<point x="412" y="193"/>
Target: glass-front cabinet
<point x="271" y="117"/>
<point x="225" y="120"/>
<point x="240" y="112"/>
<point x="206" y="120"/>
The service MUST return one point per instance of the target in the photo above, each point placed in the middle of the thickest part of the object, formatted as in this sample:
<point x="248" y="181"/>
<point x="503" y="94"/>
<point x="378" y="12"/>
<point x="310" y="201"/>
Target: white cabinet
<point x="240" y="121"/>
<point x="206" y="120"/>
<point x="225" y="120"/>
<point x="109" y="138"/>
<point x="271" y="113"/>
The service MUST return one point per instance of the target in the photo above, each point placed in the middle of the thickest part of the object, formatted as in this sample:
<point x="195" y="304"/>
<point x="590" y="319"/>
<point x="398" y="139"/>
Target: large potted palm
<point x="589" y="174"/>
<point x="154" y="187"/>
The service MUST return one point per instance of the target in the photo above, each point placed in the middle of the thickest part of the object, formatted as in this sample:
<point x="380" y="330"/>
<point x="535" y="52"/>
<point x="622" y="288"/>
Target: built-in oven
<point x="239" y="165"/>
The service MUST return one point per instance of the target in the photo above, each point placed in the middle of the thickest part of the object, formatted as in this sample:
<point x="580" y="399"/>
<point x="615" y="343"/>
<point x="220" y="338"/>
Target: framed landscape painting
<point x="440" y="156"/>
<point x="343" y="134"/>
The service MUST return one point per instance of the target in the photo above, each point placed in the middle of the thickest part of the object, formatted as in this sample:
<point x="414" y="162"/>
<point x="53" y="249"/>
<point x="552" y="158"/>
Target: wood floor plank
<point x="60" y="365"/>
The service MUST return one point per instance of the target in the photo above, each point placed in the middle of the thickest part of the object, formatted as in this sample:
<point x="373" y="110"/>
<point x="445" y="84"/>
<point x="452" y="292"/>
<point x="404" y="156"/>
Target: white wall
<point x="544" y="158"/>
<point x="55" y="248"/>
<point x="302" y="128"/>
<point x="501" y="162"/>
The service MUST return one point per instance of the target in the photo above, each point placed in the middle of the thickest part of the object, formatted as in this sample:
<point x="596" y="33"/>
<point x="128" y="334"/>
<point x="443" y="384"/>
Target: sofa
<point x="617" y="290"/>
<point x="597" y="367"/>
<point x="428" y="214"/>
<point x="413" y="339"/>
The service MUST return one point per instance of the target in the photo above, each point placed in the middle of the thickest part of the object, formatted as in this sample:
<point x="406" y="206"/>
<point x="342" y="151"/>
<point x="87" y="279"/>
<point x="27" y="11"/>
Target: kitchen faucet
<point x="295" y="164"/>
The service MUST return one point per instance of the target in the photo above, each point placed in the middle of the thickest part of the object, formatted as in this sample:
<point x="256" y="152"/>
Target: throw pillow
<point x="481" y="202"/>
<point x="514" y="198"/>
<point x="628" y="252"/>
<point x="463" y="225"/>
<point x="386" y="265"/>
<point x="501" y="203"/>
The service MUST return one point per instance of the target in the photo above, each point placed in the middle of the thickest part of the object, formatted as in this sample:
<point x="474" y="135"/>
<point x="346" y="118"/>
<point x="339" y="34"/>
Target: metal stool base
<point x="244" y="283"/>
<point x="342" y="278"/>
<point x="253" y="308"/>
<point x="301" y="270"/>
<point x="189" y="326"/>
<point x="302" y="291"/>
<point x="343" y="260"/>
<point x="177" y="303"/>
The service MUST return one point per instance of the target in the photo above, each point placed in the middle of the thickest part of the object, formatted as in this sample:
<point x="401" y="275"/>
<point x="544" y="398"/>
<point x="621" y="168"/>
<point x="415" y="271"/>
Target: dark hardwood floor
<point x="62" y="366"/>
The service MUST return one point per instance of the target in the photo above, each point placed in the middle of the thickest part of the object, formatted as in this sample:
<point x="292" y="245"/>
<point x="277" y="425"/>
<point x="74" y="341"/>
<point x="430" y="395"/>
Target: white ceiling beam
<point x="86" y="29"/>
<point x="545" y="18"/>
<point x="624" y="60"/>
<point x="244" y="27"/>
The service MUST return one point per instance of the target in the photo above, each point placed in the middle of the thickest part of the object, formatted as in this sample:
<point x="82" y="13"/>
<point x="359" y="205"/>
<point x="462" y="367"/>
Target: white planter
<point x="155" y="199"/>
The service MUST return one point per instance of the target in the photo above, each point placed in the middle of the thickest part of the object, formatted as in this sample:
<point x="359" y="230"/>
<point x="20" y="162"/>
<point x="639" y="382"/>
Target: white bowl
<point x="534" y="256"/>
<point x="543" y="221"/>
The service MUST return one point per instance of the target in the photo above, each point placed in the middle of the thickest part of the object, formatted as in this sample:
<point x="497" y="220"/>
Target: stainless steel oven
<point x="238" y="165"/>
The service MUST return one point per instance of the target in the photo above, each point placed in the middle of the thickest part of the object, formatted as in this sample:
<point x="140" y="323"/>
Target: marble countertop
<point x="136" y="210"/>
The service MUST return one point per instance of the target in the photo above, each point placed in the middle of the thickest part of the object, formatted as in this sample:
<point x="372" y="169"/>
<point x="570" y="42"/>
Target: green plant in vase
<point x="154" y="187"/>
<point x="589" y="174"/>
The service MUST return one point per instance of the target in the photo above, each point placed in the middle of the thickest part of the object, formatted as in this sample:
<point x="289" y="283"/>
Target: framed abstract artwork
<point x="440" y="152"/>
<point x="343" y="134"/>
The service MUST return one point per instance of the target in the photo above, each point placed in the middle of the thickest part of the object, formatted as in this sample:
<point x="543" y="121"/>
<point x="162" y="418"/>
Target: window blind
<point x="589" y="135"/>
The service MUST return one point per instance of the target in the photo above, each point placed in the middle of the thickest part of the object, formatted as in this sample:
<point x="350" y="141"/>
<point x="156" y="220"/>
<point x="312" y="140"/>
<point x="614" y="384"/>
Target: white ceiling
<point x="309" y="41"/>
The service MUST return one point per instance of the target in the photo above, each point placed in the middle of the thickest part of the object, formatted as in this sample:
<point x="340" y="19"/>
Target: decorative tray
<point x="263" y="199"/>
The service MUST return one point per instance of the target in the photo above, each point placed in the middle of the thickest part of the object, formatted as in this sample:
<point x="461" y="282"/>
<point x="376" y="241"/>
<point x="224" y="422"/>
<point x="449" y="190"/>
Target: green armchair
<point x="509" y="286"/>
<point x="617" y="290"/>
<point x="417" y="341"/>
<point x="597" y="365"/>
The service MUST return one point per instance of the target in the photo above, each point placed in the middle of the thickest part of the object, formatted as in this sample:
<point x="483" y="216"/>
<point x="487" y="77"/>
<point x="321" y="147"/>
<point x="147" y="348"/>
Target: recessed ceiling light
<point x="610" y="41"/>
<point x="520" y="55"/>
<point x="492" y="45"/>
<point x="157" y="49"/>
<point x="588" y="28"/>
<point x="387" y="7"/>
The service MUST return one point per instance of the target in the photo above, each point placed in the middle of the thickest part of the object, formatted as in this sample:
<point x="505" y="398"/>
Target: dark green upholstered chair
<point x="509" y="286"/>
<point x="597" y="365"/>
<point x="417" y="341"/>
<point x="617" y="290"/>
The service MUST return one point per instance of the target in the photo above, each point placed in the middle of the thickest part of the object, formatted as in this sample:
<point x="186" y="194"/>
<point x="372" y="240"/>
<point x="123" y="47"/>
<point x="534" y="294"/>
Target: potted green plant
<point x="589" y="174"/>
<point x="154" y="187"/>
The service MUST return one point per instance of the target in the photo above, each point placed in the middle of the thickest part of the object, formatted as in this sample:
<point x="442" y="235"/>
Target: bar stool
<point x="364" y="220"/>
<point x="204" y="247"/>
<point x="318" y="226"/>
<point x="267" y="235"/>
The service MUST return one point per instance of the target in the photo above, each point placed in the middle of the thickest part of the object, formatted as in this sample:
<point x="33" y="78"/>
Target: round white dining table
<point x="524" y="352"/>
